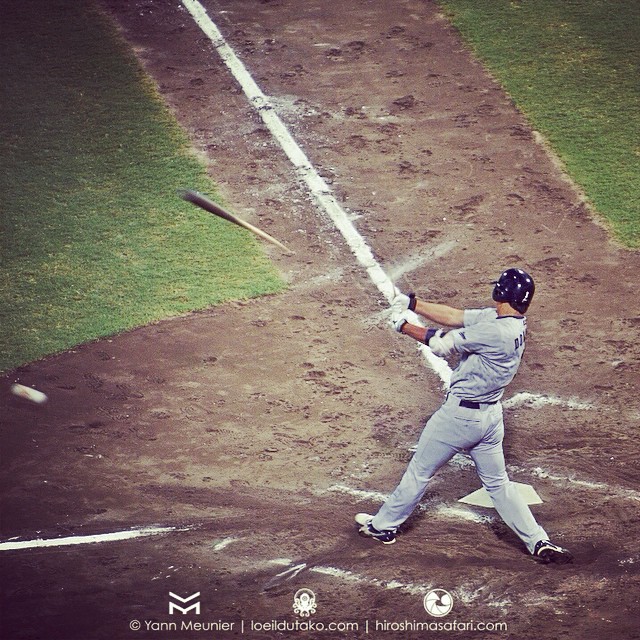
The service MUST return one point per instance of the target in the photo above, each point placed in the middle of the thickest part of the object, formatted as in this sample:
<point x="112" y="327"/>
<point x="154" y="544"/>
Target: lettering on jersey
<point x="519" y="341"/>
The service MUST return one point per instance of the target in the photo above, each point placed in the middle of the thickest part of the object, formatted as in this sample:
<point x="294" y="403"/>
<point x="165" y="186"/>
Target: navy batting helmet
<point x="516" y="287"/>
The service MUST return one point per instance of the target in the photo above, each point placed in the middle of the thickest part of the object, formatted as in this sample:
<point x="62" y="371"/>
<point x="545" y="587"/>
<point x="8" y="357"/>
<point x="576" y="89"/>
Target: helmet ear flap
<point x="498" y="293"/>
<point x="526" y="299"/>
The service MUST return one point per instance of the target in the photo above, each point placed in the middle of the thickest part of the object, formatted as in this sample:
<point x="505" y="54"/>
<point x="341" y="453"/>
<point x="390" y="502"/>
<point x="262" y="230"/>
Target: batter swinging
<point x="490" y="343"/>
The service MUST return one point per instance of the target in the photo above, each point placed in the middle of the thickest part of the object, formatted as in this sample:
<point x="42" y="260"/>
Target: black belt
<point x="468" y="404"/>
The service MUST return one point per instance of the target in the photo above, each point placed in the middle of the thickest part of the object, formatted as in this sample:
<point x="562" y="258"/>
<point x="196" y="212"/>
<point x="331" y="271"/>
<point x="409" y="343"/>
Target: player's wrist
<point x="429" y="334"/>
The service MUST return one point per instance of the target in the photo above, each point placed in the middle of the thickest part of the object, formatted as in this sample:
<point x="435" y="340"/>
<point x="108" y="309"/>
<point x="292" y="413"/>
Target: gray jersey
<point x="491" y="348"/>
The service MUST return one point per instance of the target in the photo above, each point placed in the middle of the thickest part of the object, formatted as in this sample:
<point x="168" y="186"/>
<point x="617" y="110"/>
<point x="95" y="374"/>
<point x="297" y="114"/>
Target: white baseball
<point x="28" y="393"/>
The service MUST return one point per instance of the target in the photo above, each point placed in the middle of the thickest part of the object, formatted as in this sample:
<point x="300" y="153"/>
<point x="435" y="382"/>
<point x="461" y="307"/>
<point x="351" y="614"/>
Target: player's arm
<point x="440" y="313"/>
<point x="439" y="341"/>
<point x="413" y="331"/>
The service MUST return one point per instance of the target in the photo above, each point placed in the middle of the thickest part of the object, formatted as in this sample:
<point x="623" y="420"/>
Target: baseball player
<point x="490" y="343"/>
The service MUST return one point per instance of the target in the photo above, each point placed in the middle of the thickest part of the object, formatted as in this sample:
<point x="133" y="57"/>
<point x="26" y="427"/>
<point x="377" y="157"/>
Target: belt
<point x="468" y="404"/>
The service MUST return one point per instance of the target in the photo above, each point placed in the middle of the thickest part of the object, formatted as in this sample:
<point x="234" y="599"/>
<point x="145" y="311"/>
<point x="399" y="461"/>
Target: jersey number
<point x="519" y="341"/>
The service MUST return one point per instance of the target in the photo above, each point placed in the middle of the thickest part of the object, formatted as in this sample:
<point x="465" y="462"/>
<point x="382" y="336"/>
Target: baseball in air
<point x="28" y="393"/>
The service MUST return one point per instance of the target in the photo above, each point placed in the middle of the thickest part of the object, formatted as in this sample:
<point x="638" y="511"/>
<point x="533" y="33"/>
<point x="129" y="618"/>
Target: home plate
<point x="481" y="498"/>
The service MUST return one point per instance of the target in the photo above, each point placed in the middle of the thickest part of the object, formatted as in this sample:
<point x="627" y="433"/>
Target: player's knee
<point x="496" y="485"/>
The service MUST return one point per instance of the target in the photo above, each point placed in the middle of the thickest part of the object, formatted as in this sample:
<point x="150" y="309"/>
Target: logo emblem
<point x="438" y="603"/>
<point x="173" y="606"/>
<point x="304" y="603"/>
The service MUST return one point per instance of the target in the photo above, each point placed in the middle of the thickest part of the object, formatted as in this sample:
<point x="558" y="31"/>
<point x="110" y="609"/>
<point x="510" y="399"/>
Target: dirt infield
<point x="258" y="429"/>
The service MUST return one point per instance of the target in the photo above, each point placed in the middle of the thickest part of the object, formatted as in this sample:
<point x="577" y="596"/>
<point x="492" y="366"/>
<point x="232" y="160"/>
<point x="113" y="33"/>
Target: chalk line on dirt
<point x="361" y="494"/>
<point x="537" y="400"/>
<point x="350" y="576"/>
<point x="418" y="258"/>
<point x="317" y="186"/>
<point x="466" y="593"/>
<point x="442" y="510"/>
<point x="610" y="490"/>
<point x="223" y="544"/>
<point x="74" y="540"/>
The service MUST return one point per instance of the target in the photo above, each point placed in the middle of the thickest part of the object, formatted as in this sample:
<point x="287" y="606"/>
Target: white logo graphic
<point x="438" y="603"/>
<point x="304" y="602"/>
<point x="173" y="606"/>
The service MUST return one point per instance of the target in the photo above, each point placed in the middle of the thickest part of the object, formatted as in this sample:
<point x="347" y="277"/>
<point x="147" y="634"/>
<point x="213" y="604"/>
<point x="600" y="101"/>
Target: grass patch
<point x="94" y="239"/>
<point x="572" y="67"/>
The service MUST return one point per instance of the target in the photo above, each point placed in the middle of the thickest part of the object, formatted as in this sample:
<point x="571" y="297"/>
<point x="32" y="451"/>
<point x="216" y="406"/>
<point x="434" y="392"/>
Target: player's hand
<point x="398" y="320"/>
<point x="403" y="302"/>
<point x="400" y="302"/>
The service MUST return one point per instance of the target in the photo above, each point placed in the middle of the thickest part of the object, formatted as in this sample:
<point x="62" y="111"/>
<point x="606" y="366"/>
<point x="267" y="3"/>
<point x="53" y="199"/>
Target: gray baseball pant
<point x="451" y="429"/>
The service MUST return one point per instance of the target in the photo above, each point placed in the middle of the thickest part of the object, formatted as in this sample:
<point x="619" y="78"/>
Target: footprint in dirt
<point x="356" y="46"/>
<point x="521" y="132"/>
<point x="127" y="392"/>
<point x="357" y="142"/>
<point x="550" y="265"/>
<point x="405" y="102"/>
<point x="405" y="167"/>
<point x="394" y="32"/>
<point x="93" y="382"/>
<point x="464" y="120"/>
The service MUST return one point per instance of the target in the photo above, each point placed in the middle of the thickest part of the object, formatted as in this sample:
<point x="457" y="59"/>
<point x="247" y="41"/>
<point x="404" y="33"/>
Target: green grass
<point x="573" y="68"/>
<point x="94" y="240"/>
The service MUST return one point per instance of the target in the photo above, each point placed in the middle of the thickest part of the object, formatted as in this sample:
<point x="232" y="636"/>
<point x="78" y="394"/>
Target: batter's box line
<point x="15" y="544"/>
<point x="341" y="574"/>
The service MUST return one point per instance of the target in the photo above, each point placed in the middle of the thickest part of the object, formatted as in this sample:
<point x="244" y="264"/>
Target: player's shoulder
<point x="477" y="316"/>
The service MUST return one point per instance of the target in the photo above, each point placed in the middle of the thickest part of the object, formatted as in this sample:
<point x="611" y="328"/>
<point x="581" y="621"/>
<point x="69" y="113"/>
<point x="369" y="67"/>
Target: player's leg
<point x="438" y="443"/>
<point x="488" y="456"/>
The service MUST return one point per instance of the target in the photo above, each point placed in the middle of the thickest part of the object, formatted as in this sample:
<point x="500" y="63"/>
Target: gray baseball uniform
<point x="470" y="419"/>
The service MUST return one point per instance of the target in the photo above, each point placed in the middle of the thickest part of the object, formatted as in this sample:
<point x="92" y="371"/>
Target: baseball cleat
<point x="386" y="536"/>
<point x="551" y="553"/>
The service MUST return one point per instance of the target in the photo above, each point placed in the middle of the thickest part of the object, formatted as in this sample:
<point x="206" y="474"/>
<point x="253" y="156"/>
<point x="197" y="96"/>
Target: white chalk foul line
<point x="74" y="540"/>
<point x="318" y="188"/>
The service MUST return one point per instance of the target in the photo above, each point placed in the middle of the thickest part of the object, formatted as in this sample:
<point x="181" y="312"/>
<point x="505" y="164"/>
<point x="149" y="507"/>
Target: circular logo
<point x="438" y="603"/>
<point x="304" y="602"/>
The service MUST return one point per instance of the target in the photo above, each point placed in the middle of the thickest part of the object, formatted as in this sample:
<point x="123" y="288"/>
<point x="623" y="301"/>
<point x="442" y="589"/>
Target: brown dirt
<point x="241" y="421"/>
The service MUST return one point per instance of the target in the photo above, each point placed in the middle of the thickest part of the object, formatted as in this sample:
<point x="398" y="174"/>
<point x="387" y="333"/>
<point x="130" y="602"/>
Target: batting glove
<point x="402" y="302"/>
<point x="398" y="320"/>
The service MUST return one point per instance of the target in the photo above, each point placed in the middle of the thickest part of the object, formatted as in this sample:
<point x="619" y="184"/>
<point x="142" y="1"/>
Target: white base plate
<point x="481" y="498"/>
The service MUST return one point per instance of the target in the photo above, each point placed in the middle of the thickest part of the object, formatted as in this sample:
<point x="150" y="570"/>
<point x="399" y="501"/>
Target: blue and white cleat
<point x="365" y="528"/>
<point x="548" y="553"/>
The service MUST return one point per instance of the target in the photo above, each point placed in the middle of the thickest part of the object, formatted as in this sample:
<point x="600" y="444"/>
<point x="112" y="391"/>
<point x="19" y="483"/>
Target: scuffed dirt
<point x="245" y="423"/>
